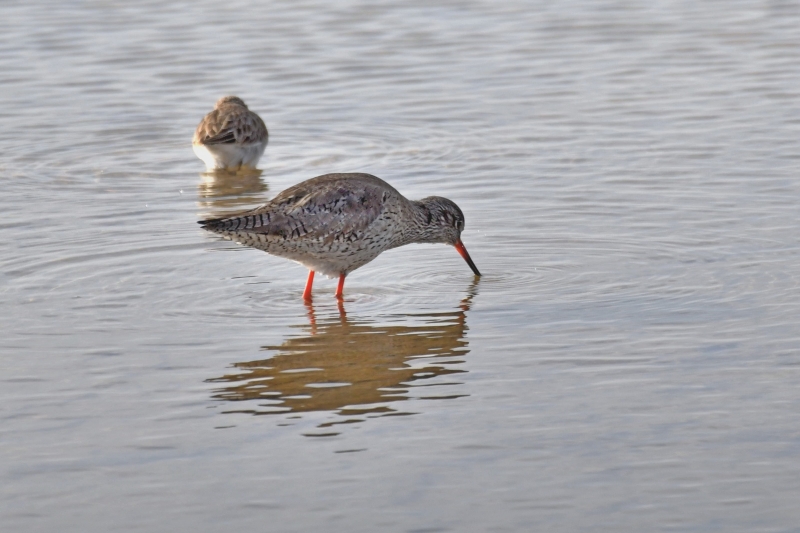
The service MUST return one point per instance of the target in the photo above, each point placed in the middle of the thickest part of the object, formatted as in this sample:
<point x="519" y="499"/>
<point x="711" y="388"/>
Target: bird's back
<point x="332" y="224"/>
<point x="229" y="124"/>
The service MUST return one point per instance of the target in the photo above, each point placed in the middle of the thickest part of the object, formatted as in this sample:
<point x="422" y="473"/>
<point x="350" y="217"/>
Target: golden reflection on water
<point x="223" y="192"/>
<point x="353" y="367"/>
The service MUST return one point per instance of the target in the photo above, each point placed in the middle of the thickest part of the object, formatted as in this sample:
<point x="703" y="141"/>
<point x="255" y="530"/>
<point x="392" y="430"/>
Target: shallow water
<point x="628" y="362"/>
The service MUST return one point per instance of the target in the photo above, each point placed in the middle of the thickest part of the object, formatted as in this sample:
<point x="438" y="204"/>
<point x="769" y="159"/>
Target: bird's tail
<point x="236" y="223"/>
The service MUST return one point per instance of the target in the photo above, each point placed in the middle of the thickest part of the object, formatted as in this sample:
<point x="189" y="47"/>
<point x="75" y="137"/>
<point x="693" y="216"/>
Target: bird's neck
<point x="420" y="227"/>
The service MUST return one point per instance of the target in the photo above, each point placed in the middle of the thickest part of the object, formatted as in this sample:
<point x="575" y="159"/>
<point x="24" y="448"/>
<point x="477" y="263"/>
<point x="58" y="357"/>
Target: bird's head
<point x="444" y="223"/>
<point x="230" y="100"/>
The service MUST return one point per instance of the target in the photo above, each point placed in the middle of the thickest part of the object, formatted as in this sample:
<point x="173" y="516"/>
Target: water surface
<point x="628" y="362"/>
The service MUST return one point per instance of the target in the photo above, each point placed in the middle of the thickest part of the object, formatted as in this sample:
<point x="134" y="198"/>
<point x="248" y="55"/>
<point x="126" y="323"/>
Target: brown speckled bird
<point x="231" y="136"/>
<point x="335" y="223"/>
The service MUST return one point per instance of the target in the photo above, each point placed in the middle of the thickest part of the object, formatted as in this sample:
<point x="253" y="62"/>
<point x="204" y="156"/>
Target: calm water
<point x="630" y="360"/>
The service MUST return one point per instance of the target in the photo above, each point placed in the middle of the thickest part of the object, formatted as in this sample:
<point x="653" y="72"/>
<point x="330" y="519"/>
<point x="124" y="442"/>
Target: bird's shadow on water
<point x="354" y="368"/>
<point x="223" y="192"/>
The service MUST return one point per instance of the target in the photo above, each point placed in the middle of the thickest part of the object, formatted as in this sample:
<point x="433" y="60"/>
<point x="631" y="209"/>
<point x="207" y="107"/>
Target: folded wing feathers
<point x="242" y="126"/>
<point x="298" y="212"/>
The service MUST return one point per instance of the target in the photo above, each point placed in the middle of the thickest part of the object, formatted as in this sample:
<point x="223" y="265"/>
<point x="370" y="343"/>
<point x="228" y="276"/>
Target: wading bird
<point x="336" y="223"/>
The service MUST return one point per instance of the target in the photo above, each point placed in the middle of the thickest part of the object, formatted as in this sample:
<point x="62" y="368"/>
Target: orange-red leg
<point x="340" y="288"/>
<point x="309" y="284"/>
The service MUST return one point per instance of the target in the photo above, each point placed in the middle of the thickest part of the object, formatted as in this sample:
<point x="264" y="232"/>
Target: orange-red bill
<point x="463" y="251"/>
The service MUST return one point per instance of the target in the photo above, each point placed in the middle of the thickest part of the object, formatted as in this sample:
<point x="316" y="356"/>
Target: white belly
<point x="229" y="156"/>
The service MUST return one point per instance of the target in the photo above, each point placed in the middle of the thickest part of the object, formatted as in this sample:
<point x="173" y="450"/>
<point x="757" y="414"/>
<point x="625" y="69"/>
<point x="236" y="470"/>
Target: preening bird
<point x="231" y="136"/>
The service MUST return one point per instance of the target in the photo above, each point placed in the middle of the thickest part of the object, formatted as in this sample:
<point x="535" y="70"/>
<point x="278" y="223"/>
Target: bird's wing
<point x="321" y="209"/>
<point x="227" y="126"/>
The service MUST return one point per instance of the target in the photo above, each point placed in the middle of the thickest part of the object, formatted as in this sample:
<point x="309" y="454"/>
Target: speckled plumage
<point x="230" y="136"/>
<point x="336" y="223"/>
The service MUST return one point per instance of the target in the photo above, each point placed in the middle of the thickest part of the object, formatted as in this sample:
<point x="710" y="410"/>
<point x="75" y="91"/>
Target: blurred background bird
<point x="231" y="136"/>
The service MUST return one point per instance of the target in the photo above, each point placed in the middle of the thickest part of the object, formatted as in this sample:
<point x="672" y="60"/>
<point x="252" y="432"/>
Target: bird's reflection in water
<point x="224" y="192"/>
<point x="354" y="368"/>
